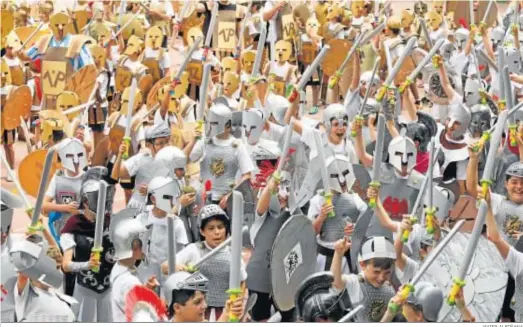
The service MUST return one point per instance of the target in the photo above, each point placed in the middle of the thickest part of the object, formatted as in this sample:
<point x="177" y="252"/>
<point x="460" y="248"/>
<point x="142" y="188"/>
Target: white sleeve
<point x="456" y="99"/>
<point x="197" y="152"/>
<point x="351" y="104"/>
<point x="132" y="165"/>
<point x="495" y="201"/>
<point x="140" y="134"/>
<point x="411" y="267"/>
<point x="166" y="60"/>
<point x="514" y="262"/>
<point x="256" y="225"/>
<point x="243" y="271"/>
<point x="268" y="6"/>
<point x="353" y="287"/>
<point x="67" y="241"/>
<point x="351" y="152"/>
<point x="187" y="255"/>
<point x="244" y="160"/>
<point x="51" y="189"/>
<point x="314" y="207"/>
<point x="180" y="232"/>
<point x="461" y="170"/>
<point x="307" y="136"/>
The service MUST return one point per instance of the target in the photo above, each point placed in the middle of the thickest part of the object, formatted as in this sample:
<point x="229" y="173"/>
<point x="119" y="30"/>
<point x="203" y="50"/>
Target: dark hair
<point x="181" y="297"/>
<point x="380" y="263"/>
<point x="395" y="31"/>
<point x="220" y="218"/>
<point x="58" y="136"/>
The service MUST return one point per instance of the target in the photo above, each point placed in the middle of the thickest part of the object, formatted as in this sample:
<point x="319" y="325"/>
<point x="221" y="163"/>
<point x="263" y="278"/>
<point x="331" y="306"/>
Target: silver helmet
<point x="447" y="50"/>
<point x="277" y="106"/>
<point x="333" y="112"/>
<point x="157" y="131"/>
<point x="29" y="257"/>
<point x="471" y="92"/>
<point x="9" y="202"/>
<point x="183" y="281"/>
<point x="496" y="36"/>
<point x="237" y="117"/>
<point x="461" y="35"/>
<point x="377" y="247"/>
<point x="165" y="191"/>
<point x="402" y="152"/>
<point x="428" y="299"/>
<point x="365" y="80"/>
<point x="442" y="200"/>
<point x="252" y="122"/>
<point x="513" y="60"/>
<point x="516" y="169"/>
<point x="72" y="152"/>
<point x="341" y="173"/>
<point x="168" y="159"/>
<point x="90" y="189"/>
<point x="212" y="211"/>
<point x="123" y="231"/>
<point x="459" y="113"/>
<point x="218" y="118"/>
<point x="480" y="119"/>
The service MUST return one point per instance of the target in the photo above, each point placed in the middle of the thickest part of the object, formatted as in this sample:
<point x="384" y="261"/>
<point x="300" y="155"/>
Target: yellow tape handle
<point x="277" y="178"/>
<point x="484" y="138"/>
<point x="435" y="61"/>
<point x="357" y="120"/>
<point x="483" y="96"/>
<point x="381" y="93"/>
<point x="199" y="127"/>
<point x="233" y="295"/>
<point x="127" y="140"/>
<point x="429" y="218"/>
<point x="513" y="129"/>
<point x="404" y="85"/>
<point x="458" y="285"/>
<point x="35" y="229"/>
<point x="97" y="253"/>
<point x="372" y="201"/>
<point x="406" y="233"/>
<point x="485" y="184"/>
<point x="328" y="200"/>
<point x="333" y="81"/>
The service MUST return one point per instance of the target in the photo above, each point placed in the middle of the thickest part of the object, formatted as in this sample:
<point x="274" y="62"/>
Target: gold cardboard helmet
<point x="334" y="12"/>
<point x="283" y="50"/>
<point x="101" y="33"/>
<point x="437" y="6"/>
<point x="406" y="18"/>
<point x="193" y="34"/>
<point x="13" y="41"/>
<point x="229" y="64"/>
<point x="154" y="37"/>
<point x="247" y="60"/>
<point x="45" y="9"/>
<point x="134" y="46"/>
<point x="394" y="22"/>
<point x="5" y="78"/>
<point x="58" y="23"/>
<point x="98" y="54"/>
<point x="313" y="25"/>
<point x="67" y="100"/>
<point x="231" y="82"/>
<point x="301" y="14"/>
<point x="125" y="100"/>
<point x="357" y="8"/>
<point x="434" y="20"/>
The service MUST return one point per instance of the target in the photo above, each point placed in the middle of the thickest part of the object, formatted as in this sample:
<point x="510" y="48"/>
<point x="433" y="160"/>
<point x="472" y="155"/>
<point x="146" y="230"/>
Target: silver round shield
<point x="293" y="258"/>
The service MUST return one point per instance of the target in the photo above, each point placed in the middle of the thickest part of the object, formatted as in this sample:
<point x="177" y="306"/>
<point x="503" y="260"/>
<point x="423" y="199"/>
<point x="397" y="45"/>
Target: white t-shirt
<point x="411" y="267"/>
<point x="37" y="305"/>
<point x="164" y="61"/>
<point x="123" y="280"/>
<point x="133" y="163"/>
<point x="102" y="79"/>
<point x="272" y="33"/>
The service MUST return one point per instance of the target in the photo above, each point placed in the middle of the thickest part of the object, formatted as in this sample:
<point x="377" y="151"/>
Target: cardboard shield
<point x="54" y="74"/>
<point x="24" y="32"/>
<point x="249" y="202"/>
<point x="134" y="28"/>
<point x="224" y="37"/>
<point x="293" y="258"/>
<point x="101" y="153"/>
<point x="152" y="97"/>
<point x="278" y="86"/>
<point x="335" y="56"/>
<point x="308" y="53"/>
<point x="123" y="78"/>
<point x="30" y="171"/>
<point x="17" y="75"/>
<point x="154" y="68"/>
<point x="7" y="25"/>
<point x="82" y="82"/>
<point x="485" y="282"/>
<point x="193" y="20"/>
<point x="195" y="71"/>
<point x="461" y="12"/>
<point x="81" y="18"/>
<point x="145" y="84"/>
<point x="18" y="105"/>
<point x="288" y="24"/>
<point x="116" y="134"/>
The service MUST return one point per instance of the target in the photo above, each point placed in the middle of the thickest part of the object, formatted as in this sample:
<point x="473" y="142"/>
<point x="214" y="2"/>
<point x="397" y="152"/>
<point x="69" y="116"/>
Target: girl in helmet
<point x="214" y="229"/>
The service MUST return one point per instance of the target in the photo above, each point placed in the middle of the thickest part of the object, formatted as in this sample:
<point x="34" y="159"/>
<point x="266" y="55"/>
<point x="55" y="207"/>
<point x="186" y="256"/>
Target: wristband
<point x="78" y="266"/>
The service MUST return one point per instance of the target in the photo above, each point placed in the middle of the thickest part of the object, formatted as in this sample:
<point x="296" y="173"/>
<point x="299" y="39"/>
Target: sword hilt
<point x="127" y="140"/>
<point x="372" y="200"/>
<point x="458" y="285"/>
<point x="381" y="92"/>
<point x="234" y="293"/>
<point x="436" y="61"/>
<point x="484" y="138"/>
<point x="483" y="95"/>
<point x="36" y="228"/>
<point x="277" y="176"/>
<point x="327" y="196"/>
<point x="485" y="185"/>
<point x="404" y="85"/>
<point x="502" y="104"/>
<point x="482" y="28"/>
<point x="406" y="233"/>
<point x="96" y="253"/>
<point x="429" y="218"/>
<point x="333" y="81"/>
<point x="406" y="290"/>
<point x="512" y="130"/>
<point x="358" y="120"/>
<point x="293" y="95"/>
<point x="199" y="127"/>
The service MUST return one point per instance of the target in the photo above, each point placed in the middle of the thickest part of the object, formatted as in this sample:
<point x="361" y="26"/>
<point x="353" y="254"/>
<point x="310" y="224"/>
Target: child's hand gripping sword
<point x="203" y="97"/>
<point x="358" y="120"/>
<point x="409" y="288"/>
<point x="308" y="73"/>
<point x="459" y="281"/>
<point x="130" y="109"/>
<point x="412" y="76"/>
<point x="286" y="145"/>
<point x="377" y="158"/>
<point x="99" y="227"/>
<point x="395" y="70"/>
<point x="483" y="23"/>
<point x="236" y="250"/>
<point x="327" y="195"/>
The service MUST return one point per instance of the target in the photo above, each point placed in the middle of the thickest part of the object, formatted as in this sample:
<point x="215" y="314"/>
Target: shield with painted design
<point x="288" y="24"/>
<point x="18" y="105"/>
<point x="123" y="78"/>
<point x="461" y="10"/>
<point x="249" y="202"/>
<point x="30" y="171"/>
<point x="224" y="37"/>
<point x="308" y="52"/>
<point x="335" y="56"/>
<point x="485" y="281"/>
<point x="293" y="258"/>
<point x="82" y="82"/>
<point x="54" y="76"/>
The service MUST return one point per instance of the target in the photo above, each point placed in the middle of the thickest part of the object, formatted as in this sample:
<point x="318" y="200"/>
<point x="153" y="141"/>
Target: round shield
<point x="486" y="278"/>
<point x="436" y="93"/>
<point x="116" y="135"/>
<point x="7" y="25"/>
<point x="335" y="56"/>
<point x="145" y="83"/>
<point x="30" y="171"/>
<point x="24" y="32"/>
<point x="293" y="258"/>
<point x="82" y="82"/>
<point x="18" y="105"/>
